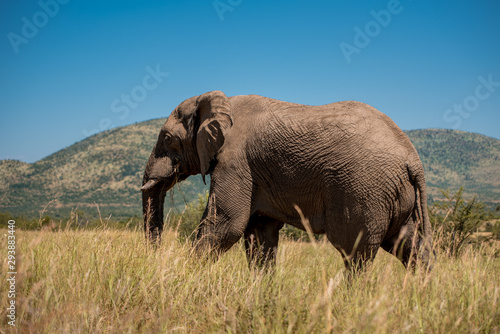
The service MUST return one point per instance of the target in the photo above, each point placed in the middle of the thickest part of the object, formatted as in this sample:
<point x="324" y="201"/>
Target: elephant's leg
<point x="261" y="240"/>
<point x="404" y="246"/>
<point x="226" y="216"/>
<point x="407" y="243"/>
<point x="357" y="250"/>
<point x="359" y="258"/>
<point x="219" y="232"/>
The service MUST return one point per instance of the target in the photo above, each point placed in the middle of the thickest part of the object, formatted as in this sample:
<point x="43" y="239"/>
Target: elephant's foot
<point x="261" y="241"/>
<point x="358" y="261"/>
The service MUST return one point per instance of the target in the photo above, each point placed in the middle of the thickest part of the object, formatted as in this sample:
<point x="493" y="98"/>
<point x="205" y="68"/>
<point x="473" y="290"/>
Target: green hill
<point x="106" y="169"/>
<point x="455" y="158"/>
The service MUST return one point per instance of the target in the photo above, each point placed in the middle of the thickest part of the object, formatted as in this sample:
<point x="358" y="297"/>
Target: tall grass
<point x="108" y="281"/>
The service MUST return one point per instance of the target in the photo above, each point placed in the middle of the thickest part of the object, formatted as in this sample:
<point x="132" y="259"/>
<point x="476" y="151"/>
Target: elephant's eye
<point x="168" y="136"/>
<point x="170" y="141"/>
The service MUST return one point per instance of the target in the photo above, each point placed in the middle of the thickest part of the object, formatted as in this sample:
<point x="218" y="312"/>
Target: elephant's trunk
<point x="159" y="177"/>
<point x="153" y="199"/>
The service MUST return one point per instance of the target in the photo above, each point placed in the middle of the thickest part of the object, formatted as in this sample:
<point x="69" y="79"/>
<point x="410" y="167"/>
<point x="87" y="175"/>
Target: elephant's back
<point x="347" y="125"/>
<point x="352" y="125"/>
<point x="377" y="129"/>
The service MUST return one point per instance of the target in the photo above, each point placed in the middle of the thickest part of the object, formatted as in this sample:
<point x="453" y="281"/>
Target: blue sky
<point x="72" y="68"/>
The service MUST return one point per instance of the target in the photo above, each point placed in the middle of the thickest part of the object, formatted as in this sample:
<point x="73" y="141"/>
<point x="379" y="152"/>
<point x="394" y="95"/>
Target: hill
<point x="107" y="169"/>
<point x="453" y="158"/>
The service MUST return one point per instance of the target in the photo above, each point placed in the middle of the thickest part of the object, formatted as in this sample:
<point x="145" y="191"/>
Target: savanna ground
<point x="107" y="281"/>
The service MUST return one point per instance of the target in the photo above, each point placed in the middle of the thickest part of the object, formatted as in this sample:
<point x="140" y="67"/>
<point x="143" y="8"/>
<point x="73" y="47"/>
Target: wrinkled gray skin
<point x="346" y="166"/>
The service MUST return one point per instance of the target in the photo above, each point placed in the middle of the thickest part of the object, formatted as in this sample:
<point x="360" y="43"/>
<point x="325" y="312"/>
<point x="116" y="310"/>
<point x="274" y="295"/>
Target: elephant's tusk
<point x="150" y="184"/>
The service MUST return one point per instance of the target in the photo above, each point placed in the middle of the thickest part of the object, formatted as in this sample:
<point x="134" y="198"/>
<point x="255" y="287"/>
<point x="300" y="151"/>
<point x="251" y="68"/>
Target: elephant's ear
<point x="214" y="114"/>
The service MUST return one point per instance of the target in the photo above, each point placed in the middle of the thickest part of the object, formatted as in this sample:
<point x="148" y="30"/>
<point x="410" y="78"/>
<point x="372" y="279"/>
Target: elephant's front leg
<point x="261" y="241"/>
<point x="224" y="221"/>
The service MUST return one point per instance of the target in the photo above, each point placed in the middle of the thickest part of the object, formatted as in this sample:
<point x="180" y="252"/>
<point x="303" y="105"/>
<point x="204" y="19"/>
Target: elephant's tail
<point x="421" y="216"/>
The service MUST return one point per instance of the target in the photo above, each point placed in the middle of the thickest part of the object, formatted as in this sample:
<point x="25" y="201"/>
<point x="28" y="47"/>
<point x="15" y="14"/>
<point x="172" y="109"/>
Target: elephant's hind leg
<point x="403" y="246"/>
<point x="261" y="240"/>
<point x="357" y="251"/>
<point x="360" y="258"/>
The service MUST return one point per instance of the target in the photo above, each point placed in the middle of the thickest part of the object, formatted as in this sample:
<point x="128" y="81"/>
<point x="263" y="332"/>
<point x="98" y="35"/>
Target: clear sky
<point x="71" y="68"/>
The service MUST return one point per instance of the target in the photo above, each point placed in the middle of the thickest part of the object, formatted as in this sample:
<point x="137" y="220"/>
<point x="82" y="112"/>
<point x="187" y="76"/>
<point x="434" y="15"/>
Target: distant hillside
<point x="454" y="158"/>
<point x="107" y="169"/>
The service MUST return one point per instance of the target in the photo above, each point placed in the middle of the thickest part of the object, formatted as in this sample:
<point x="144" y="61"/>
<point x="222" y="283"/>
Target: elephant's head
<point x="187" y="145"/>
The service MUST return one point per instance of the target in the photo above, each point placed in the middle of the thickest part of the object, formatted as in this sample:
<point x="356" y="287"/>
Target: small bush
<point x="495" y="230"/>
<point x="455" y="220"/>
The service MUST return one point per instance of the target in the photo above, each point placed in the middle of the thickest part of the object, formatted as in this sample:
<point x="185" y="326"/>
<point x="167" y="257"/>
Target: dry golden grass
<point x="107" y="281"/>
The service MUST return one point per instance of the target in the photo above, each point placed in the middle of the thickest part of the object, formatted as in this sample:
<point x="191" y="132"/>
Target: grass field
<point x="107" y="281"/>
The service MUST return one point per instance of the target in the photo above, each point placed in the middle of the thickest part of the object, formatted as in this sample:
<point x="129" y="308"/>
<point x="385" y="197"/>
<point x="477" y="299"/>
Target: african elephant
<point x="345" y="168"/>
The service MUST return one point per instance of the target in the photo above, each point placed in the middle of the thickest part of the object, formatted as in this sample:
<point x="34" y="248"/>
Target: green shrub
<point x="455" y="220"/>
<point x="495" y="231"/>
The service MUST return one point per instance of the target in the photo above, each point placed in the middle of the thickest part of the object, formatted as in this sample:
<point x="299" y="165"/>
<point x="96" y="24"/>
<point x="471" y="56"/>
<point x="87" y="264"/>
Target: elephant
<point x="343" y="169"/>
